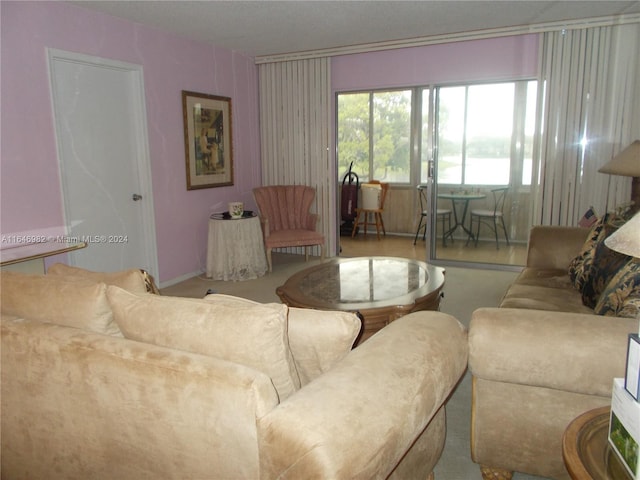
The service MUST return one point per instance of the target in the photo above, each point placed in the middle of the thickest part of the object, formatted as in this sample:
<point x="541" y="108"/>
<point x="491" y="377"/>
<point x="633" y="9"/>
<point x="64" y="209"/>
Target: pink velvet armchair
<point x="286" y="219"/>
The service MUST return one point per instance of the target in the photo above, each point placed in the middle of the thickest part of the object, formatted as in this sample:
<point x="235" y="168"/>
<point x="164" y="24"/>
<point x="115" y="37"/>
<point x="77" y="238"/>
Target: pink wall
<point x="493" y="59"/>
<point x="31" y="197"/>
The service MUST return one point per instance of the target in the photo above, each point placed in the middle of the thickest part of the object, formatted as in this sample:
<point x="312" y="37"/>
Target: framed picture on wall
<point x="207" y="140"/>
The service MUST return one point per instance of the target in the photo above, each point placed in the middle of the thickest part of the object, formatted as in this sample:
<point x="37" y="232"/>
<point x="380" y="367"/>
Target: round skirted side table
<point x="235" y="248"/>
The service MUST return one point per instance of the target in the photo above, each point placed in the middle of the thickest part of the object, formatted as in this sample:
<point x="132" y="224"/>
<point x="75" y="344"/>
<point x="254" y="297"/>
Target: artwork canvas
<point x="208" y="140"/>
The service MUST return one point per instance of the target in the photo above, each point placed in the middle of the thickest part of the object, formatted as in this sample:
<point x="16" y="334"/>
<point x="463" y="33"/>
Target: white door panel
<point x="103" y="155"/>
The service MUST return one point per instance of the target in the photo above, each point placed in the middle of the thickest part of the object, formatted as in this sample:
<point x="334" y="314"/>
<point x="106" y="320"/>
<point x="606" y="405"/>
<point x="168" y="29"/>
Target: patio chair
<point x="491" y="218"/>
<point x="441" y="213"/>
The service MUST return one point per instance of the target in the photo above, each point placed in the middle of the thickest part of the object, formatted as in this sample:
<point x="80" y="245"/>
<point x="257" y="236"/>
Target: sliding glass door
<point x="462" y="142"/>
<point x="483" y="150"/>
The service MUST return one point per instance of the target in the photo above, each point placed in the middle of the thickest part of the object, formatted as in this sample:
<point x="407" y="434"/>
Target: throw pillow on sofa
<point x="318" y="339"/>
<point x="580" y="265"/>
<point x="583" y="269"/>
<point x="133" y="280"/>
<point x="253" y="335"/>
<point x="621" y="297"/>
<point x="604" y="266"/>
<point x="58" y="299"/>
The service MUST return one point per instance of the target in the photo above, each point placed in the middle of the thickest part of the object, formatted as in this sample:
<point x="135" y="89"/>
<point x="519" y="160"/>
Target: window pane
<point x="353" y="134"/>
<point x="529" y="130"/>
<point x="391" y="136"/>
<point x="450" y="134"/>
<point x="489" y="133"/>
<point x="426" y="154"/>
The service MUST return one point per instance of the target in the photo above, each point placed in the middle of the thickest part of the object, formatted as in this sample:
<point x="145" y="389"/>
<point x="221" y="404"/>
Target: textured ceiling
<point x="276" y="27"/>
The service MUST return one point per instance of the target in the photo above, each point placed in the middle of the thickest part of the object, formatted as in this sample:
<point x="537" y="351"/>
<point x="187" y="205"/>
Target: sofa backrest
<point x="553" y="247"/>
<point x="76" y="404"/>
<point x="286" y="206"/>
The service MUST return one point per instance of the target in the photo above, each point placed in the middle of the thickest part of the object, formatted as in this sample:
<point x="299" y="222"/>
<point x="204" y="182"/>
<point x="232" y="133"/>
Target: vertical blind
<point x="591" y="111"/>
<point x="295" y="109"/>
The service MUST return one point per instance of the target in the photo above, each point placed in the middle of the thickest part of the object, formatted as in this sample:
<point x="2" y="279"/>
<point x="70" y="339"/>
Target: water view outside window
<point x="476" y="125"/>
<point x="451" y="121"/>
<point x="484" y="132"/>
<point x="489" y="132"/>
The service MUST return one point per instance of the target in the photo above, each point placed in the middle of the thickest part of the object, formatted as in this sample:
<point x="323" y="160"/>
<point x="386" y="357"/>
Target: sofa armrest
<point x="361" y="417"/>
<point x="574" y="352"/>
<point x="553" y="247"/>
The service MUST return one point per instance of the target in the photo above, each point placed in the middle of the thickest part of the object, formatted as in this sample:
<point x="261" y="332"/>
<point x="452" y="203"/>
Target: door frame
<point x="143" y="158"/>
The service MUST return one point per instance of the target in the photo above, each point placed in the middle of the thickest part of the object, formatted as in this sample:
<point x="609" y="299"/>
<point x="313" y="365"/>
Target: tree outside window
<point x="374" y="130"/>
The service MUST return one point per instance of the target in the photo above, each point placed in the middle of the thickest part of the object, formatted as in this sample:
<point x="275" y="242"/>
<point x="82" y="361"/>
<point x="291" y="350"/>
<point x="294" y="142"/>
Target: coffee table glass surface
<point x="381" y="289"/>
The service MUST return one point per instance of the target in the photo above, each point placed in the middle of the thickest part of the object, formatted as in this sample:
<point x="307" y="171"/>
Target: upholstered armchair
<point x="286" y="219"/>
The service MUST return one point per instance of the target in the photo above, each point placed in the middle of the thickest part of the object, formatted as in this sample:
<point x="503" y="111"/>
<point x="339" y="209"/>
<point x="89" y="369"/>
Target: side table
<point x="586" y="451"/>
<point x="235" y="249"/>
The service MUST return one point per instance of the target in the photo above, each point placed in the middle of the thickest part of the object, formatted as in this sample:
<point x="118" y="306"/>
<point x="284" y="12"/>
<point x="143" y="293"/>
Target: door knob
<point x="136" y="197"/>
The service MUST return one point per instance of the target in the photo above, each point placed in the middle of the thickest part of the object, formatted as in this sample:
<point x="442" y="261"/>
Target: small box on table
<point x="632" y="373"/>
<point x="624" y="427"/>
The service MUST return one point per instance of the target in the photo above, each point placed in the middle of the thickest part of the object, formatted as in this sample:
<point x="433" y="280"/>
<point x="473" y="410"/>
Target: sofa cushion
<point x="251" y="335"/>
<point x="544" y="277"/>
<point x="318" y="339"/>
<point x="536" y="297"/>
<point x="57" y="299"/>
<point x="133" y="280"/>
<point x="544" y="289"/>
<point x="621" y="296"/>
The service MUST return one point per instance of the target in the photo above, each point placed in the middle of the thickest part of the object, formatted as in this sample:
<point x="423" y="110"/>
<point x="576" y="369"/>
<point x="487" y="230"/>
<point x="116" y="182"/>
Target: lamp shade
<point x="625" y="163"/>
<point x="626" y="239"/>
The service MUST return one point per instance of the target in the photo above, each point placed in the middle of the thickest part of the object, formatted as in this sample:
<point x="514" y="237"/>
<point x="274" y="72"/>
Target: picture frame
<point x="208" y="140"/>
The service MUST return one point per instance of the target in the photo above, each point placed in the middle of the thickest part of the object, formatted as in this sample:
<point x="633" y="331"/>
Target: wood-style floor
<point x="458" y="251"/>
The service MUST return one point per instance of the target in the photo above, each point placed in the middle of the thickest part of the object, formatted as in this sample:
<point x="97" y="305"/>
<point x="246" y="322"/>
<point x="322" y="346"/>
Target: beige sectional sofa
<point x="100" y="382"/>
<point x="544" y="357"/>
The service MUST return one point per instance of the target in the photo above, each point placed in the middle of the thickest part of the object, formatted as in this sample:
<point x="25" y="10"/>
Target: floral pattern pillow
<point x="605" y="264"/>
<point x="621" y="297"/>
<point x="579" y="266"/>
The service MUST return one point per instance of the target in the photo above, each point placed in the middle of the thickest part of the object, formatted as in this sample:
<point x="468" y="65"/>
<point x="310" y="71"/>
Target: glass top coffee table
<point x="381" y="289"/>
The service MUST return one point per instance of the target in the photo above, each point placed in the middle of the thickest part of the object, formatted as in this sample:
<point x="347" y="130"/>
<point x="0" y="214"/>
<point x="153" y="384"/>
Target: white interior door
<point x="100" y="124"/>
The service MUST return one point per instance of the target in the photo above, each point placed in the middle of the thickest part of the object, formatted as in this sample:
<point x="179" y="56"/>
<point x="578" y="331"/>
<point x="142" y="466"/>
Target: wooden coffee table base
<point x="381" y="289"/>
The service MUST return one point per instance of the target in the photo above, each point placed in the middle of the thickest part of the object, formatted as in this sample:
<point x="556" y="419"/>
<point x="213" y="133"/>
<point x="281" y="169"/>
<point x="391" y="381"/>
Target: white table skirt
<point x="235" y="249"/>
